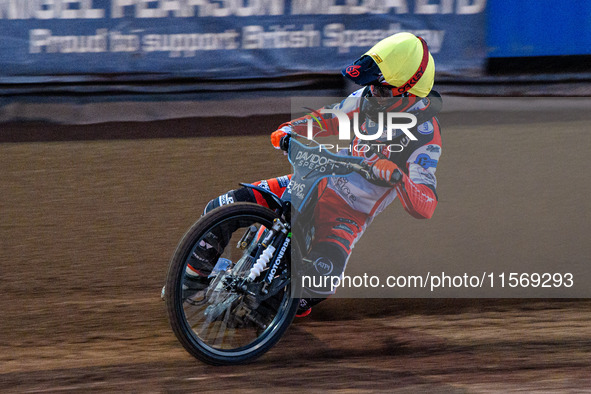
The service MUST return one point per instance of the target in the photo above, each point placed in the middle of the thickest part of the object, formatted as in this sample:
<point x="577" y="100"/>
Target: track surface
<point x="88" y="228"/>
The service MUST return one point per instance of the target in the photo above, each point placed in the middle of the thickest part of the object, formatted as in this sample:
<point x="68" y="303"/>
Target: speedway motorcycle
<point x="251" y="296"/>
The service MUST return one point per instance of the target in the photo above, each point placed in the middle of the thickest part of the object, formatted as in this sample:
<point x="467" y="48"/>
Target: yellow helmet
<point x="402" y="61"/>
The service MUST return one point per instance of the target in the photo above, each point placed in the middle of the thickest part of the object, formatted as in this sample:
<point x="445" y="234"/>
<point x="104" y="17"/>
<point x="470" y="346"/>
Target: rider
<point x="397" y="75"/>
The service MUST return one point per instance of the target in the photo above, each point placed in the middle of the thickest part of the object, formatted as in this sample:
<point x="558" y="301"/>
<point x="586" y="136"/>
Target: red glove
<point x="384" y="169"/>
<point x="278" y="134"/>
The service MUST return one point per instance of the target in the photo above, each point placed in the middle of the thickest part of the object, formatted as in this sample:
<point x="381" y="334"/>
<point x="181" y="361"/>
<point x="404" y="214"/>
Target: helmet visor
<point x="363" y="71"/>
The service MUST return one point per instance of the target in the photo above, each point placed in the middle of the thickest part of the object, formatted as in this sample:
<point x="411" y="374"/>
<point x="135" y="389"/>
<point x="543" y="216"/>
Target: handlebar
<point x="284" y="142"/>
<point x="363" y="169"/>
<point x="366" y="171"/>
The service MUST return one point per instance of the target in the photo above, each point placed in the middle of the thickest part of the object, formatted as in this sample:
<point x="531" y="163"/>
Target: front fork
<point x="272" y="248"/>
<point x="274" y="240"/>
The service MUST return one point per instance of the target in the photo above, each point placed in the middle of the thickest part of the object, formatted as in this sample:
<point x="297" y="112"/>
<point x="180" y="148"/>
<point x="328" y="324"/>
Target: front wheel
<point x="214" y="321"/>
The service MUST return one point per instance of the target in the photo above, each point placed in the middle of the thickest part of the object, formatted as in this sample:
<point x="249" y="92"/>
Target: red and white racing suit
<point x="347" y="205"/>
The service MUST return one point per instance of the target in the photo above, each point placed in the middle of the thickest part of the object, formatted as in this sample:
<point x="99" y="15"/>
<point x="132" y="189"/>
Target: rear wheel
<point x="213" y="321"/>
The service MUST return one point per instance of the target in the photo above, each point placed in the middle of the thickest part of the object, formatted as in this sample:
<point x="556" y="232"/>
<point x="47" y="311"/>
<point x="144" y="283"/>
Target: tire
<point x="180" y="310"/>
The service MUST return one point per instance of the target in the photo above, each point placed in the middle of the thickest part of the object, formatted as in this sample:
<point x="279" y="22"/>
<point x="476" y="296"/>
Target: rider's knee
<point x="325" y="265"/>
<point x="238" y="195"/>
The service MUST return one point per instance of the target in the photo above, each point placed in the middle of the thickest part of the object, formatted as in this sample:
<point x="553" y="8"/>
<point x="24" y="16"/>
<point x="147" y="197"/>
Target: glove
<point x="278" y="134"/>
<point x="385" y="169"/>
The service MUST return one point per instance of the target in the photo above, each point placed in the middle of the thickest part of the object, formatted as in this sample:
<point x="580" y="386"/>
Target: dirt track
<point x="88" y="227"/>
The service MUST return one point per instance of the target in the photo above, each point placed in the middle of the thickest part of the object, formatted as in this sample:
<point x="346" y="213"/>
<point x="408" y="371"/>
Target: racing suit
<point x="347" y="205"/>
